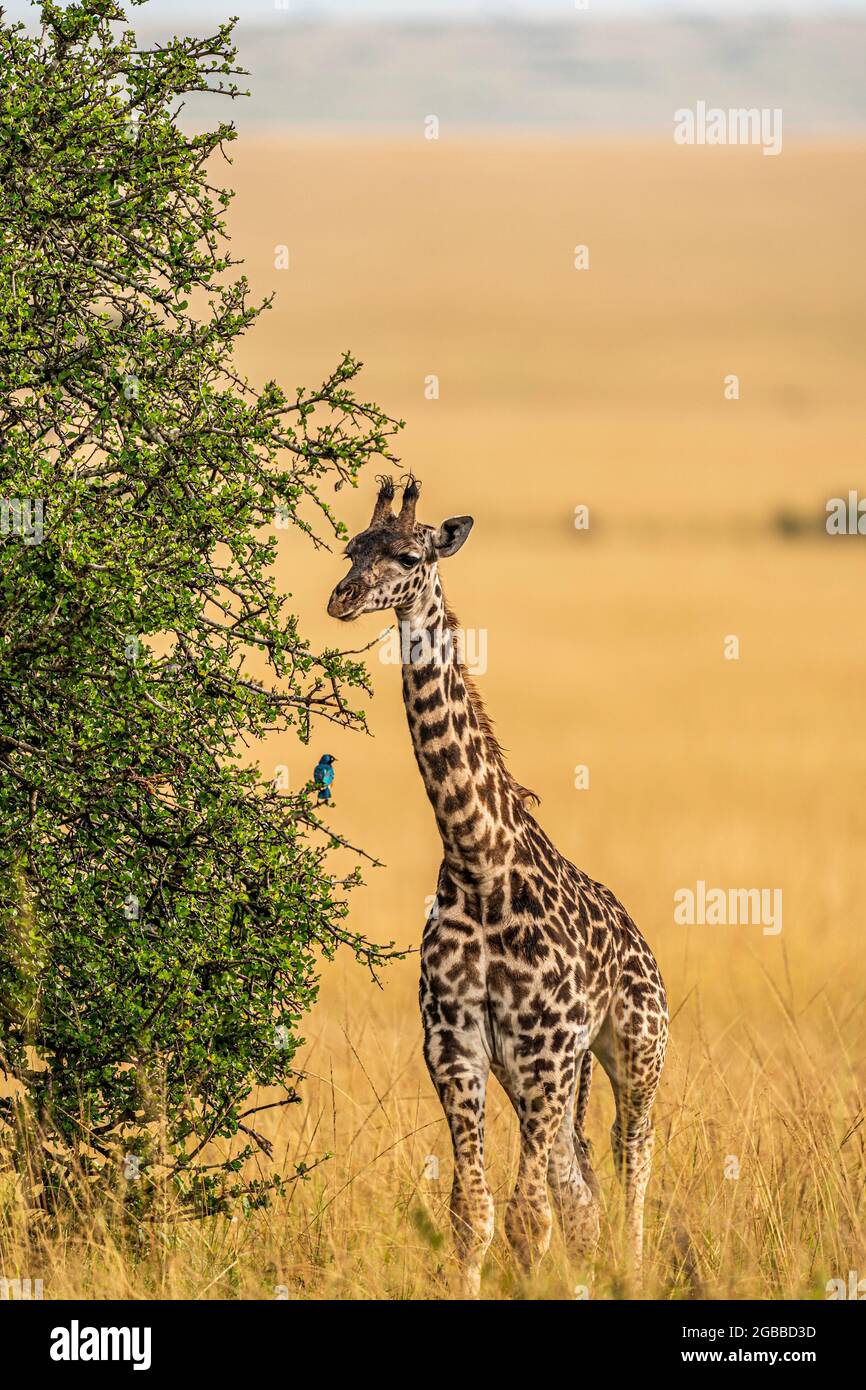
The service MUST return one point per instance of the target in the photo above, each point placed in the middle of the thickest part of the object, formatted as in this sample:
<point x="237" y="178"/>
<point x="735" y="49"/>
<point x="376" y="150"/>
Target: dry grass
<point x="559" y="388"/>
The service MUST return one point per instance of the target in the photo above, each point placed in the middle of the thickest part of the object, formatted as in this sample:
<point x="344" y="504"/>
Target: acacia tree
<point x="164" y="909"/>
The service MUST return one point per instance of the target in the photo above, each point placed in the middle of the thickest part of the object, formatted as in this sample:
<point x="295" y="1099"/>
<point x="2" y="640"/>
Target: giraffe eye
<point x="408" y="561"/>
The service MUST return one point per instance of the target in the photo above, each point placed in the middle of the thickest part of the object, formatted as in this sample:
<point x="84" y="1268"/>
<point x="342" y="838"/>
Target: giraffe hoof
<point x="528" y="1229"/>
<point x="582" y="1227"/>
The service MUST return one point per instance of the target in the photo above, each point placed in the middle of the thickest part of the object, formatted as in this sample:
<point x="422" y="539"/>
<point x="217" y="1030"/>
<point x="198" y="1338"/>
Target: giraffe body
<point x="528" y="966"/>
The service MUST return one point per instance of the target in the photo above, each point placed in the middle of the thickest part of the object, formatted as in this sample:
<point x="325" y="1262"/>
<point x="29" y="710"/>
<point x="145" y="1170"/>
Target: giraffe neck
<point x="476" y="803"/>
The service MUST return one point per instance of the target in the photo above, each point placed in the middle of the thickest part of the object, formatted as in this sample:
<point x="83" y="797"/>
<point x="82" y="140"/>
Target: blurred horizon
<point x="579" y="74"/>
<point x="475" y="9"/>
<point x="184" y="9"/>
<point x="620" y="67"/>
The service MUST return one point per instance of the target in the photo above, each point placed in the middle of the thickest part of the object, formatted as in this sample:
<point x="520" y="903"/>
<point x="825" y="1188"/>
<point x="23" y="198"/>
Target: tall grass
<point x="757" y="1188"/>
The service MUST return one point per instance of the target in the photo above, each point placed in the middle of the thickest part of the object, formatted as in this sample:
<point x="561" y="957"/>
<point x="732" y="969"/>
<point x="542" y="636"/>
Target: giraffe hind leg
<point x="582" y="1145"/>
<point x="573" y="1184"/>
<point x="633" y="1062"/>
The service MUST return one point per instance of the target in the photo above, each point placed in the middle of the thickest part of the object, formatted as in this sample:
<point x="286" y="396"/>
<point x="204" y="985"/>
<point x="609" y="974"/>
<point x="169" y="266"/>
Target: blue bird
<point x="323" y="776"/>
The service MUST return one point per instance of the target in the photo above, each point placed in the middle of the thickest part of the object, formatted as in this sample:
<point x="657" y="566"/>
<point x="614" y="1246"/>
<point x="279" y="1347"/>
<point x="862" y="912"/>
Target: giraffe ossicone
<point x="529" y="968"/>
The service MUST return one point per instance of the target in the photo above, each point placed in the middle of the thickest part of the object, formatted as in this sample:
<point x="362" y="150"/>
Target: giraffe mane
<point x="485" y="723"/>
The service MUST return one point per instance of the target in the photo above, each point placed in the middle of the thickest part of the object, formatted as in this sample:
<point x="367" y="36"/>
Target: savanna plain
<point x="605" y="649"/>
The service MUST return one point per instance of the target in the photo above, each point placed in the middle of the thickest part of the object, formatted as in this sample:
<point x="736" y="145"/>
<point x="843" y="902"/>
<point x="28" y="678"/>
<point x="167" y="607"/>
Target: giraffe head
<point x="394" y="561"/>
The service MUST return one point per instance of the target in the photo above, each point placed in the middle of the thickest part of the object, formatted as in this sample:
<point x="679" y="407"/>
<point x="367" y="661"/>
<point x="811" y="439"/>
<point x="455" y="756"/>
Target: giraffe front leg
<point x="572" y="1183"/>
<point x="459" y="1069"/>
<point x="542" y="1098"/>
<point x="574" y="1189"/>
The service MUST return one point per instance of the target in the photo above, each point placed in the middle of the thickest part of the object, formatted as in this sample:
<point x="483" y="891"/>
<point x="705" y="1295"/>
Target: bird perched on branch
<point x="323" y="776"/>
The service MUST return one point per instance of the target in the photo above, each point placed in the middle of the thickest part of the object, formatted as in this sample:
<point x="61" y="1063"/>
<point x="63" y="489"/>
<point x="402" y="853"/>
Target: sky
<point x="580" y="74"/>
<point x="262" y="10"/>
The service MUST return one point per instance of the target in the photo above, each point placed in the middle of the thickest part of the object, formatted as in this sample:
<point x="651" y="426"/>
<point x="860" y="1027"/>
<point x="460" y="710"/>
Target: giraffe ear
<point x="451" y="534"/>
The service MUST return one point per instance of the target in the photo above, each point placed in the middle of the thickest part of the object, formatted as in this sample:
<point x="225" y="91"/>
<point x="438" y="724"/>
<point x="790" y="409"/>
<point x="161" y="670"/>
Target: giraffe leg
<point x="543" y="1104"/>
<point x="633" y="1160"/>
<point x="573" y="1184"/>
<point x="459" y="1068"/>
<point x="633" y="1062"/>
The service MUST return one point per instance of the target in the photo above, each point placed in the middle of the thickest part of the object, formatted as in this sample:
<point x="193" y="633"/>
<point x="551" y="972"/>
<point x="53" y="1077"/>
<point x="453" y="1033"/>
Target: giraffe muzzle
<point x="345" y="601"/>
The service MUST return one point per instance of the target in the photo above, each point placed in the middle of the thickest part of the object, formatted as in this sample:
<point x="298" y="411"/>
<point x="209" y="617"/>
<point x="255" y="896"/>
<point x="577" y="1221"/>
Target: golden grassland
<point x="560" y="387"/>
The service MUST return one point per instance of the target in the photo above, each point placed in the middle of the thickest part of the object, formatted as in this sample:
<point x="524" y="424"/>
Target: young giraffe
<point x="528" y="966"/>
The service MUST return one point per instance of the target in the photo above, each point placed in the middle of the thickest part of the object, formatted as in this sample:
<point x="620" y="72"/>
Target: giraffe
<point x="529" y="968"/>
